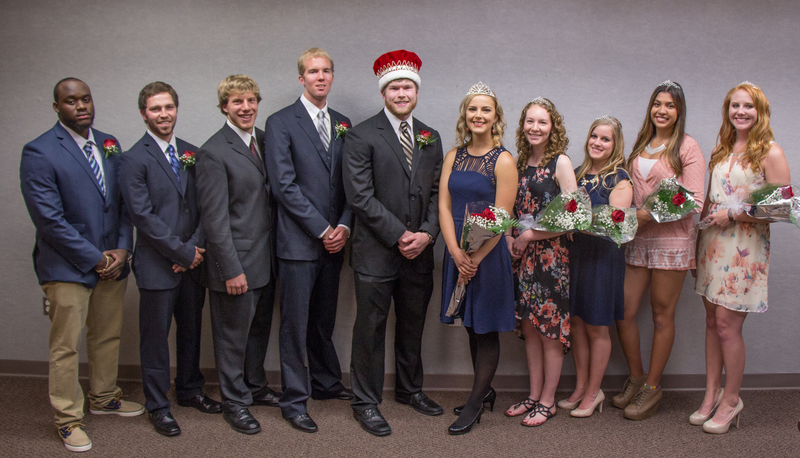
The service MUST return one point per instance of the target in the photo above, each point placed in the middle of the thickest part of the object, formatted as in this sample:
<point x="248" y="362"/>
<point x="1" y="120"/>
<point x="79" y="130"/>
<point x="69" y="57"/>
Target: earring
<point x="493" y="130"/>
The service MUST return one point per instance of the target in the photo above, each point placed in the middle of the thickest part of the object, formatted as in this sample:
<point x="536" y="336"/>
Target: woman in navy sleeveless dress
<point x="480" y="169"/>
<point x="597" y="267"/>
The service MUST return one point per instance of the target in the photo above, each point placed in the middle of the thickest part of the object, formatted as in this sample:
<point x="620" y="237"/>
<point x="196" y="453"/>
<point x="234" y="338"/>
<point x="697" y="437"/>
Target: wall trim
<point x="443" y="382"/>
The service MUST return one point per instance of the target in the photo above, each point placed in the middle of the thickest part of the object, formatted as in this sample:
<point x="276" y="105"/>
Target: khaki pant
<point x="71" y="306"/>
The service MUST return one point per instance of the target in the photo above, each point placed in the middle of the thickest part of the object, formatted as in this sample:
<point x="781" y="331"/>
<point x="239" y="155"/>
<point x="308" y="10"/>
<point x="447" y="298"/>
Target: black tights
<point x="485" y="352"/>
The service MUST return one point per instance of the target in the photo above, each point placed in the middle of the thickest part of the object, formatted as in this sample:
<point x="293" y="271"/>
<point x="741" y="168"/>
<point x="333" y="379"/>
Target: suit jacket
<point x="306" y="181"/>
<point x="388" y="199"/>
<point x="74" y="222"/>
<point x="164" y="213"/>
<point x="236" y="210"/>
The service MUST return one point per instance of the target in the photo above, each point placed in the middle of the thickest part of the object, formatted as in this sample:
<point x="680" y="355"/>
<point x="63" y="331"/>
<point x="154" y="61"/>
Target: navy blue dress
<point x="597" y="265"/>
<point x="488" y="304"/>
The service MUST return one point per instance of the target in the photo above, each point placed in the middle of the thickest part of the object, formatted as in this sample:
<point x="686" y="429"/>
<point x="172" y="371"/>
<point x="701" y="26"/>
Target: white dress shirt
<point x="98" y="155"/>
<point x="163" y="145"/>
<point x="245" y="136"/>
<point x="395" y="122"/>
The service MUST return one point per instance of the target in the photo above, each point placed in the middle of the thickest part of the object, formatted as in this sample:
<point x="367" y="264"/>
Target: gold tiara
<point x="481" y="89"/>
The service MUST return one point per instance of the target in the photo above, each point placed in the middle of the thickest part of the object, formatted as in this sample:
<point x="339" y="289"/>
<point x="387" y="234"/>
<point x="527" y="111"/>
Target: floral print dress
<point x="733" y="262"/>
<point x="542" y="273"/>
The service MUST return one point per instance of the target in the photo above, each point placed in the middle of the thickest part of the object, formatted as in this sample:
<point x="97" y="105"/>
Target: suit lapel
<point x="238" y="146"/>
<point x="388" y="134"/>
<point x="307" y="124"/>
<point x="182" y="148"/>
<point x="418" y="149"/>
<point x="72" y="148"/>
<point x="336" y="143"/>
<point x="152" y="148"/>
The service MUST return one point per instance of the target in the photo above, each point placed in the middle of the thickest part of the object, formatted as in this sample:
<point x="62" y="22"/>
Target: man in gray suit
<point x="236" y="212"/>
<point x="303" y="153"/>
<point x="391" y="172"/>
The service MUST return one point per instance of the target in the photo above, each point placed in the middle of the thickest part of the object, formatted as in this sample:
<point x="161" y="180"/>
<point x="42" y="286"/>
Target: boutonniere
<point x="424" y="138"/>
<point x="187" y="159"/>
<point x="110" y="147"/>
<point x="341" y="128"/>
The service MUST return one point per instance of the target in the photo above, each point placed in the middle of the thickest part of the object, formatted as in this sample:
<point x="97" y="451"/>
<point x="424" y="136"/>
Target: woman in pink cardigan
<point x="661" y="253"/>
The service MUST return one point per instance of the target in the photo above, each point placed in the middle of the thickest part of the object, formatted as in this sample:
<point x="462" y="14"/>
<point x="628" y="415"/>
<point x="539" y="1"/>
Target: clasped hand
<point x="198" y="258"/>
<point x="411" y="244"/>
<point x="112" y="263"/>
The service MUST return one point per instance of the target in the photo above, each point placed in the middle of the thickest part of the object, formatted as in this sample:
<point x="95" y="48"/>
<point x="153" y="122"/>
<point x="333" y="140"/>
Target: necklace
<point x="593" y="181"/>
<point x="651" y="151"/>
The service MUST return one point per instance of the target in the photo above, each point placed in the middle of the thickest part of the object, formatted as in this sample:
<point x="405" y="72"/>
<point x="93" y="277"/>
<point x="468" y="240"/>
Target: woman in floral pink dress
<point x="733" y="254"/>
<point x="661" y="253"/>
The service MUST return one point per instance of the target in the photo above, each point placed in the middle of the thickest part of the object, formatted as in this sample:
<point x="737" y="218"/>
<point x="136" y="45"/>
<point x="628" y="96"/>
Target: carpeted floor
<point x="768" y="429"/>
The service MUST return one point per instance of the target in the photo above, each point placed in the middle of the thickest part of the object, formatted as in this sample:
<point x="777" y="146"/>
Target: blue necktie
<point x="87" y="149"/>
<point x="176" y="167"/>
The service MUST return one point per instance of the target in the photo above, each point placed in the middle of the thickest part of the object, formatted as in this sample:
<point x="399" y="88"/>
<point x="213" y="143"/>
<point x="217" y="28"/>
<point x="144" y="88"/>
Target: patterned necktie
<point x="322" y="129"/>
<point x="87" y="149"/>
<point x="176" y="166"/>
<point x="408" y="145"/>
<point x="253" y="147"/>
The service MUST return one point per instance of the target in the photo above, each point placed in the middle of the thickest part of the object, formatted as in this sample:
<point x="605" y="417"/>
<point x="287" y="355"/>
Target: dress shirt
<point x="245" y="136"/>
<point x="163" y="145"/>
<point x="395" y="122"/>
<point x="98" y="155"/>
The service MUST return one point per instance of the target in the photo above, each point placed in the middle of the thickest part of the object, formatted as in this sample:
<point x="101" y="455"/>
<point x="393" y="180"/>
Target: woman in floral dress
<point x="733" y="253"/>
<point x="542" y="264"/>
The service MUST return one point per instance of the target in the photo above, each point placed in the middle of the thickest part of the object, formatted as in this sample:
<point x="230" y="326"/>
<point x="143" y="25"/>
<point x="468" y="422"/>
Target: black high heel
<point x="490" y="397"/>
<point x="456" y="430"/>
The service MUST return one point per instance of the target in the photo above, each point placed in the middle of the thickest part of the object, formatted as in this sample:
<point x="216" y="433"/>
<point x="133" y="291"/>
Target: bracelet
<point x="108" y="262"/>
<point x="730" y="214"/>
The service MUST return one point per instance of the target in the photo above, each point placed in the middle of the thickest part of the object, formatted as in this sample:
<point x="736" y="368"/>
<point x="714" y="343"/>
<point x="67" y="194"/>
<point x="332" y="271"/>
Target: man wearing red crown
<point x="391" y="172"/>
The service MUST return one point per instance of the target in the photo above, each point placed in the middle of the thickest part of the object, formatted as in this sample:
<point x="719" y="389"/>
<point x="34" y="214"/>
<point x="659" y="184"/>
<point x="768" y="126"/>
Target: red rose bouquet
<point x="568" y="211"/>
<point x="617" y="224"/>
<point x="774" y="202"/>
<point x="670" y="202"/>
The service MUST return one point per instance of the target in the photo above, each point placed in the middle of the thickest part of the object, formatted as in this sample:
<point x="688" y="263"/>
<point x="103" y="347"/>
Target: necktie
<point x="322" y="129"/>
<point x="253" y="148"/>
<point x="408" y="145"/>
<point x="173" y="160"/>
<point x="87" y="149"/>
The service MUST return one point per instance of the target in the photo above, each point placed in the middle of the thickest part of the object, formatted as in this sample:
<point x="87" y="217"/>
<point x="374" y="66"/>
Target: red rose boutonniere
<point x="110" y="147"/>
<point x="424" y="138"/>
<point x="187" y="159"/>
<point x="341" y="128"/>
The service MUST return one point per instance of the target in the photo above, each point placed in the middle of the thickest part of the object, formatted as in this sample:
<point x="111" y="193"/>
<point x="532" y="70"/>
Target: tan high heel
<point x="697" y="419"/>
<point x="714" y="428"/>
<point x="598" y="401"/>
<point x="565" y="404"/>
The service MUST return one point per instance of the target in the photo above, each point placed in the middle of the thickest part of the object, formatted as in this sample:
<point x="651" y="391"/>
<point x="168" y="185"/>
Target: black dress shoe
<point x="267" y="397"/>
<point x="164" y="424"/>
<point x="241" y="421"/>
<point x="202" y="403"/>
<point x="420" y="402"/>
<point x="490" y="397"/>
<point x="344" y="395"/>
<point x="303" y="423"/>
<point x="372" y="422"/>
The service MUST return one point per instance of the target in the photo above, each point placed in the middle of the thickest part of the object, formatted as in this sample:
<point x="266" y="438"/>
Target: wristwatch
<point x="430" y="237"/>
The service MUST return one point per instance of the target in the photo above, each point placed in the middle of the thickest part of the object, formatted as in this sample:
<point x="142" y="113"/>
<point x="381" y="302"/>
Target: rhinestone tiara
<point x="481" y="89"/>
<point x="748" y="83"/>
<point x="541" y="101"/>
<point x="607" y="118"/>
<point x="669" y="83"/>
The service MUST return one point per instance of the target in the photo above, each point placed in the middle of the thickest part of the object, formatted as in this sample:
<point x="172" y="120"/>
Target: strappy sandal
<point x="528" y="403"/>
<point x="539" y="409"/>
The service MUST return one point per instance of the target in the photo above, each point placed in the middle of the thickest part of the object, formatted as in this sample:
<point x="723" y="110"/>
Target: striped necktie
<point x="87" y="149"/>
<point x="173" y="160"/>
<point x="322" y="129"/>
<point x="408" y="145"/>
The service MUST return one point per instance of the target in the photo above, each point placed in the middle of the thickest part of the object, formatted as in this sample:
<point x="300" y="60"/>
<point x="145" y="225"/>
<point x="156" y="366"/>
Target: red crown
<point x="396" y="60"/>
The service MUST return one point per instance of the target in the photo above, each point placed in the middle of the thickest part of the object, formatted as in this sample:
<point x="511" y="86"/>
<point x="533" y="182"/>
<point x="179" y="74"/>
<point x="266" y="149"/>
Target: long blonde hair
<point x="648" y="130"/>
<point x="464" y="135"/>
<point x="557" y="142"/>
<point x="758" y="139"/>
<point x="615" y="162"/>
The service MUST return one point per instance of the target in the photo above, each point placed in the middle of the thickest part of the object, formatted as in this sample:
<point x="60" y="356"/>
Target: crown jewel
<point x="607" y="118"/>
<point x="481" y="89"/>
<point x="540" y="101"/>
<point x="669" y="83"/>
<point x="748" y="83"/>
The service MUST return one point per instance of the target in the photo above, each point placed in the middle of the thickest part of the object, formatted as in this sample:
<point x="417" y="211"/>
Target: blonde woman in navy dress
<point x="479" y="169"/>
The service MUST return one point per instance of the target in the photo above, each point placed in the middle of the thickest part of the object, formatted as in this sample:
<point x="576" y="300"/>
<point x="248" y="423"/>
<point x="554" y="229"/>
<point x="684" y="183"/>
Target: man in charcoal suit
<point x="160" y="195"/>
<point x="304" y="162"/>
<point x="237" y="214"/>
<point x="392" y="163"/>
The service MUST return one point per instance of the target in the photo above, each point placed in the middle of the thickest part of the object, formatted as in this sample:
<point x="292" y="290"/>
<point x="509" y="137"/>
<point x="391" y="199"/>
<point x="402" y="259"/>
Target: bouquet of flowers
<point x="617" y="224"/>
<point x="670" y="202"/>
<point x="774" y="203"/>
<point x="482" y="222"/>
<point x="567" y="212"/>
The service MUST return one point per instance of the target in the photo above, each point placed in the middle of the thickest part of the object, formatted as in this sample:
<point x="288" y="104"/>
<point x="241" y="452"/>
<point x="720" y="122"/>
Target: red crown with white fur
<point x="395" y="65"/>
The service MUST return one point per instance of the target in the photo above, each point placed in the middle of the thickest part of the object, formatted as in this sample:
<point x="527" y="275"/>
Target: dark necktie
<point x="408" y="145"/>
<point x="173" y="160"/>
<point x="87" y="149"/>
<point x="253" y="147"/>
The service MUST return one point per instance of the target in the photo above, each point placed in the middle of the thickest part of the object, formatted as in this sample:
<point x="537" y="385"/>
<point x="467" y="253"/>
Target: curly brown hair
<point x="463" y="134"/>
<point x="557" y="142"/>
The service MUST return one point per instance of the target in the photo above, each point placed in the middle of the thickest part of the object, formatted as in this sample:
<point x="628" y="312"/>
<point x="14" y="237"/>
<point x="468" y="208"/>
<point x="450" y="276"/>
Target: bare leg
<point x="534" y="356"/>
<point x="637" y="279"/>
<point x="600" y="352"/>
<point x="729" y="330"/>
<point x="665" y="290"/>
<point x="553" y="351"/>
<point x="713" y="360"/>
<point x="580" y="355"/>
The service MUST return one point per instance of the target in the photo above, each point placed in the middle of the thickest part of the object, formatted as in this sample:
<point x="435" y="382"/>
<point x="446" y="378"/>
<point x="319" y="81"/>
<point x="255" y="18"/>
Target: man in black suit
<point x="236" y="211"/>
<point x="303" y="154"/>
<point x="160" y="195"/>
<point x="391" y="172"/>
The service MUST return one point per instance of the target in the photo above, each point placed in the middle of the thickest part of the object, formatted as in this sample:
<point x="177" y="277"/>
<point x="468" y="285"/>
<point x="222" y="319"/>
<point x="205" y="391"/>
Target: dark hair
<point x="155" y="88"/>
<point x="55" y="88"/>
<point x="648" y="130"/>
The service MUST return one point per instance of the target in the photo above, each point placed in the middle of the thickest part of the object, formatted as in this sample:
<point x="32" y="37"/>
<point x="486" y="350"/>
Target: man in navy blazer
<point x="159" y="192"/>
<point x="83" y="236"/>
<point x="303" y="153"/>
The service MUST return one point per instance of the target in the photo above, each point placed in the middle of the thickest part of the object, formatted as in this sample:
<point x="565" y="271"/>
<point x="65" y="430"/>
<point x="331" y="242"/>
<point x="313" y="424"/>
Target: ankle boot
<point x="644" y="404"/>
<point x="629" y="390"/>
